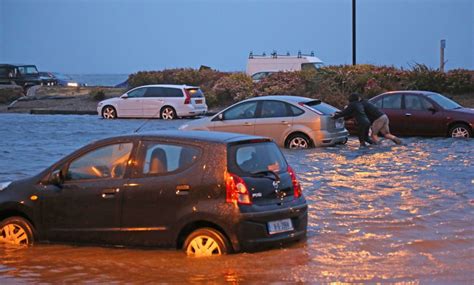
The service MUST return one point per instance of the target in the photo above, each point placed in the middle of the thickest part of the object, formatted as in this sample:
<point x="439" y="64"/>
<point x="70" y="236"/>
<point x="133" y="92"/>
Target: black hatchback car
<point x="207" y="193"/>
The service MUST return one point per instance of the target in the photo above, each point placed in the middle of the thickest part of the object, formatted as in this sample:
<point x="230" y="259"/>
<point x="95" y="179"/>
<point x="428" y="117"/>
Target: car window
<point x="413" y="102"/>
<point x="392" y="101"/>
<point x="154" y="92"/>
<point x="272" y="109"/>
<point x="140" y="92"/>
<point x="104" y="162"/>
<point x="241" y="111"/>
<point x="444" y="102"/>
<point x="256" y="157"/>
<point x="296" y="111"/>
<point x="377" y="102"/>
<point x="426" y="104"/>
<point x="173" y="92"/>
<point x="160" y="158"/>
<point x="259" y="75"/>
<point x="321" y="107"/>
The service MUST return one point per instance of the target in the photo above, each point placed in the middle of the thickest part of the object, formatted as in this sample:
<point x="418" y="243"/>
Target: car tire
<point x="206" y="242"/>
<point x="109" y="113"/>
<point x="168" y="113"/>
<point x="298" y="141"/>
<point x="460" y="131"/>
<point x="16" y="231"/>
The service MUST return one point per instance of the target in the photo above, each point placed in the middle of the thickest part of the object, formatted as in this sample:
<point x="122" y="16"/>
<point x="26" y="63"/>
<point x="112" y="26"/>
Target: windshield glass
<point x="28" y="70"/>
<point x="195" y="92"/>
<point x="311" y="66"/>
<point x="321" y="107"/>
<point x="444" y="102"/>
<point x="257" y="157"/>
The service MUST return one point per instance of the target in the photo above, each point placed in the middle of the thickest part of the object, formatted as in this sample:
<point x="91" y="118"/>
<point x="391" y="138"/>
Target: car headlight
<point x="182" y="127"/>
<point x="4" y="185"/>
<point x="72" y="84"/>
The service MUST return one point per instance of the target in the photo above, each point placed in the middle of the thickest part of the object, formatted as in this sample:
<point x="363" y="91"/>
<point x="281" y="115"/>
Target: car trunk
<point x="196" y="96"/>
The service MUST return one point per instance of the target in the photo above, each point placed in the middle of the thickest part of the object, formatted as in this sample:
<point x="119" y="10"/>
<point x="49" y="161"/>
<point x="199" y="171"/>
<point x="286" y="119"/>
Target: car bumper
<point x="253" y="234"/>
<point x="326" y="138"/>
<point x="190" y="111"/>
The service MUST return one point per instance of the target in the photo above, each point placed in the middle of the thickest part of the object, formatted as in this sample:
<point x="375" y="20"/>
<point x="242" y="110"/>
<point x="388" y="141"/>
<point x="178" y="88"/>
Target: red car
<point x="423" y="113"/>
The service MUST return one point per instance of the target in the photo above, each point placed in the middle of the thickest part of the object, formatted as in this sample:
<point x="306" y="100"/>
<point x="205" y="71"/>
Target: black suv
<point x="207" y="193"/>
<point x="22" y="75"/>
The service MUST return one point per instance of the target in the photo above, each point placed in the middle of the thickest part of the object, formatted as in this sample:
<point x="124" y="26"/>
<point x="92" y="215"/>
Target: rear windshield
<point x="256" y="157"/>
<point x="195" y="92"/>
<point x="321" y="107"/>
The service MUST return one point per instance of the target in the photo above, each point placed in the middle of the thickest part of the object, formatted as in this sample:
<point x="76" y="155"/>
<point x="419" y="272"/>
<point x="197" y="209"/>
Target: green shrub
<point x="232" y="88"/>
<point x="97" y="94"/>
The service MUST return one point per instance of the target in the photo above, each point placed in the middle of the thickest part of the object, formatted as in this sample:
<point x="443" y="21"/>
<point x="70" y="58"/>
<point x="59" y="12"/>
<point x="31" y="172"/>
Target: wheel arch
<point x="298" y="132"/>
<point x="458" y="122"/>
<point x="187" y="229"/>
<point x="16" y="212"/>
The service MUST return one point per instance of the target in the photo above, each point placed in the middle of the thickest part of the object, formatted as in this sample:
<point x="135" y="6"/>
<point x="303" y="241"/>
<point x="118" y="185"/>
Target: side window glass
<point x="173" y="92"/>
<point x="154" y="92"/>
<point x="163" y="158"/>
<point x="296" y="111"/>
<point x="105" y="162"/>
<point x="392" y="101"/>
<point x="413" y="102"/>
<point x="272" y="109"/>
<point x="378" y="103"/>
<point x="241" y="111"/>
<point x="426" y="104"/>
<point x="137" y="93"/>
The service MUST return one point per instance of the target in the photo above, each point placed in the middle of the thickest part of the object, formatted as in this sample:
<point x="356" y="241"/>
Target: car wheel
<point x="16" y="231"/>
<point x="298" y="141"/>
<point x="168" y="113"/>
<point x="109" y="112"/>
<point x="205" y="242"/>
<point x="460" y="131"/>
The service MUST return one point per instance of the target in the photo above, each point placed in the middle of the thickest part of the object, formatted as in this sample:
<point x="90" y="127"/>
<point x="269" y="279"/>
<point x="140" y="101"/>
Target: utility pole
<point x="353" y="32"/>
<point x="441" y="55"/>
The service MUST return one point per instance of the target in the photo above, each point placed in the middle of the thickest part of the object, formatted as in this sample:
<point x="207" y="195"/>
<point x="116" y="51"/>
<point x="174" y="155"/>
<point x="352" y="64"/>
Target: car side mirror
<point x="432" y="109"/>
<point x="124" y="96"/>
<point x="219" y="117"/>
<point x="56" y="178"/>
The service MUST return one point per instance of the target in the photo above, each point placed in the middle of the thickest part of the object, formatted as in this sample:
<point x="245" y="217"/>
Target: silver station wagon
<point x="292" y="121"/>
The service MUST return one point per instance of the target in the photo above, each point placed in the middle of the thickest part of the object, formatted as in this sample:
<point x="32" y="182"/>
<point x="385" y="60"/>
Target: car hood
<point x="199" y="124"/>
<point x="108" y="101"/>
<point x="463" y="110"/>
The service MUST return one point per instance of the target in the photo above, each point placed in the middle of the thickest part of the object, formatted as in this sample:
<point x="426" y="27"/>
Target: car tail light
<point x="236" y="190"/>
<point x="297" y="192"/>
<point x="188" y="96"/>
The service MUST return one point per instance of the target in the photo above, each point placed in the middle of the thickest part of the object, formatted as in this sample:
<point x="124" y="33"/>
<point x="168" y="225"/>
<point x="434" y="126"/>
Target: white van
<point x="155" y="101"/>
<point x="259" y="66"/>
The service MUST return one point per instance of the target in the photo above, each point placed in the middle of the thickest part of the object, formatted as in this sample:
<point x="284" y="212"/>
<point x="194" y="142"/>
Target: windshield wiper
<point x="265" y="173"/>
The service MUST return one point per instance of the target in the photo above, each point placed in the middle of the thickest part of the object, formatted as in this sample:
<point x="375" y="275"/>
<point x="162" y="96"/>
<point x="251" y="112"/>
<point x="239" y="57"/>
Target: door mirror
<point x="432" y="110"/>
<point x="124" y="96"/>
<point x="56" y="178"/>
<point x="219" y="117"/>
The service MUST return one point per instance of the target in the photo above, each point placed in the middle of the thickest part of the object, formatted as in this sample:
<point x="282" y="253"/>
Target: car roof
<point x="410" y="92"/>
<point x="204" y="136"/>
<point x="15" y="65"/>
<point x="168" y="85"/>
<point x="286" y="98"/>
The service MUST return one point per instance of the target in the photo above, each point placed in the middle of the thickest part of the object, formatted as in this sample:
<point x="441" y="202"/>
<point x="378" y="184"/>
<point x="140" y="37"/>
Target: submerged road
<point x="382" y="214"/>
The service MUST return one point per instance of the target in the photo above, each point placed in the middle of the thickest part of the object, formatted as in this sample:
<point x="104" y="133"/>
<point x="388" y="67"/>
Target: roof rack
<point x="274" y="54"/>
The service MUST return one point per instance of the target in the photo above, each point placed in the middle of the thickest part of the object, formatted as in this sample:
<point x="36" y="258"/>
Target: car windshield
<point x="311" y="65"/>
<point x="444" y="102"/>
<point x="28" y="70"/>
<point x="257" y="157"/>
<point x="321" y="107"/>
<point x="195" y="92"/>
<point x="61" y="76"/>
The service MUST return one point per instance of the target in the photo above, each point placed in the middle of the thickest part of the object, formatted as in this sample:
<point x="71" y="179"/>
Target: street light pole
<point x="353" y="32"/>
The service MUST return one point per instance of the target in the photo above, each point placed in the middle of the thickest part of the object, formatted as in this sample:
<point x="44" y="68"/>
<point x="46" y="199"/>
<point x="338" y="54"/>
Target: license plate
<point x="339" y="124"/>
<point x="199" y="101"/>
<point x="280" y="226"/>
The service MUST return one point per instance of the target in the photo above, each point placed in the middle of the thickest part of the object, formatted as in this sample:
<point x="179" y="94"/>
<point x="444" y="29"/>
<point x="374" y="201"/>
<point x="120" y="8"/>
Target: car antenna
<point x="146" y="122"/>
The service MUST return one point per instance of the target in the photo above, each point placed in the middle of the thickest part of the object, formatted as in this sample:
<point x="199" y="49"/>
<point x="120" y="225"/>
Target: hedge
<point x="331" y="84"/>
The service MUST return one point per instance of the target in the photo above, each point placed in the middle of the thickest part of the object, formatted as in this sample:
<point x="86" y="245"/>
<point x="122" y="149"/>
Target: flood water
<point x="383" y="214"/>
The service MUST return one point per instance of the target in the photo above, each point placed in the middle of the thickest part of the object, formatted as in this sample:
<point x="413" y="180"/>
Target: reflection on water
<point x="385" y="213"/>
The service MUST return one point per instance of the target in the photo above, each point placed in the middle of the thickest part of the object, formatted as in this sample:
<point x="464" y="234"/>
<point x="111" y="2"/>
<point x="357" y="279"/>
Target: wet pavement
<point x="382" y="214"/>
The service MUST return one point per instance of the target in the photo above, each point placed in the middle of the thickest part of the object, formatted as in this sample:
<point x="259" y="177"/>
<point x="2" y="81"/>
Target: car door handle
<point x="408" y="114"/>
<point x="248" y="124"/>
<point x="109" y="193"/>
<point x="285" y="122"/>
<point x="182" y="189"/>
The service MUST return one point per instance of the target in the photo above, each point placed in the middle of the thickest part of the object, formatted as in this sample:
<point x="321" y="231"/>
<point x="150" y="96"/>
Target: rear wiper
<point x="264" y="173"/>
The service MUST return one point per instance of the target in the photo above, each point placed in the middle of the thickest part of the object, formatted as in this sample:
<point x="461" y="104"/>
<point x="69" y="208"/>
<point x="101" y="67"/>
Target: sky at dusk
<point x="124" y="36"/>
